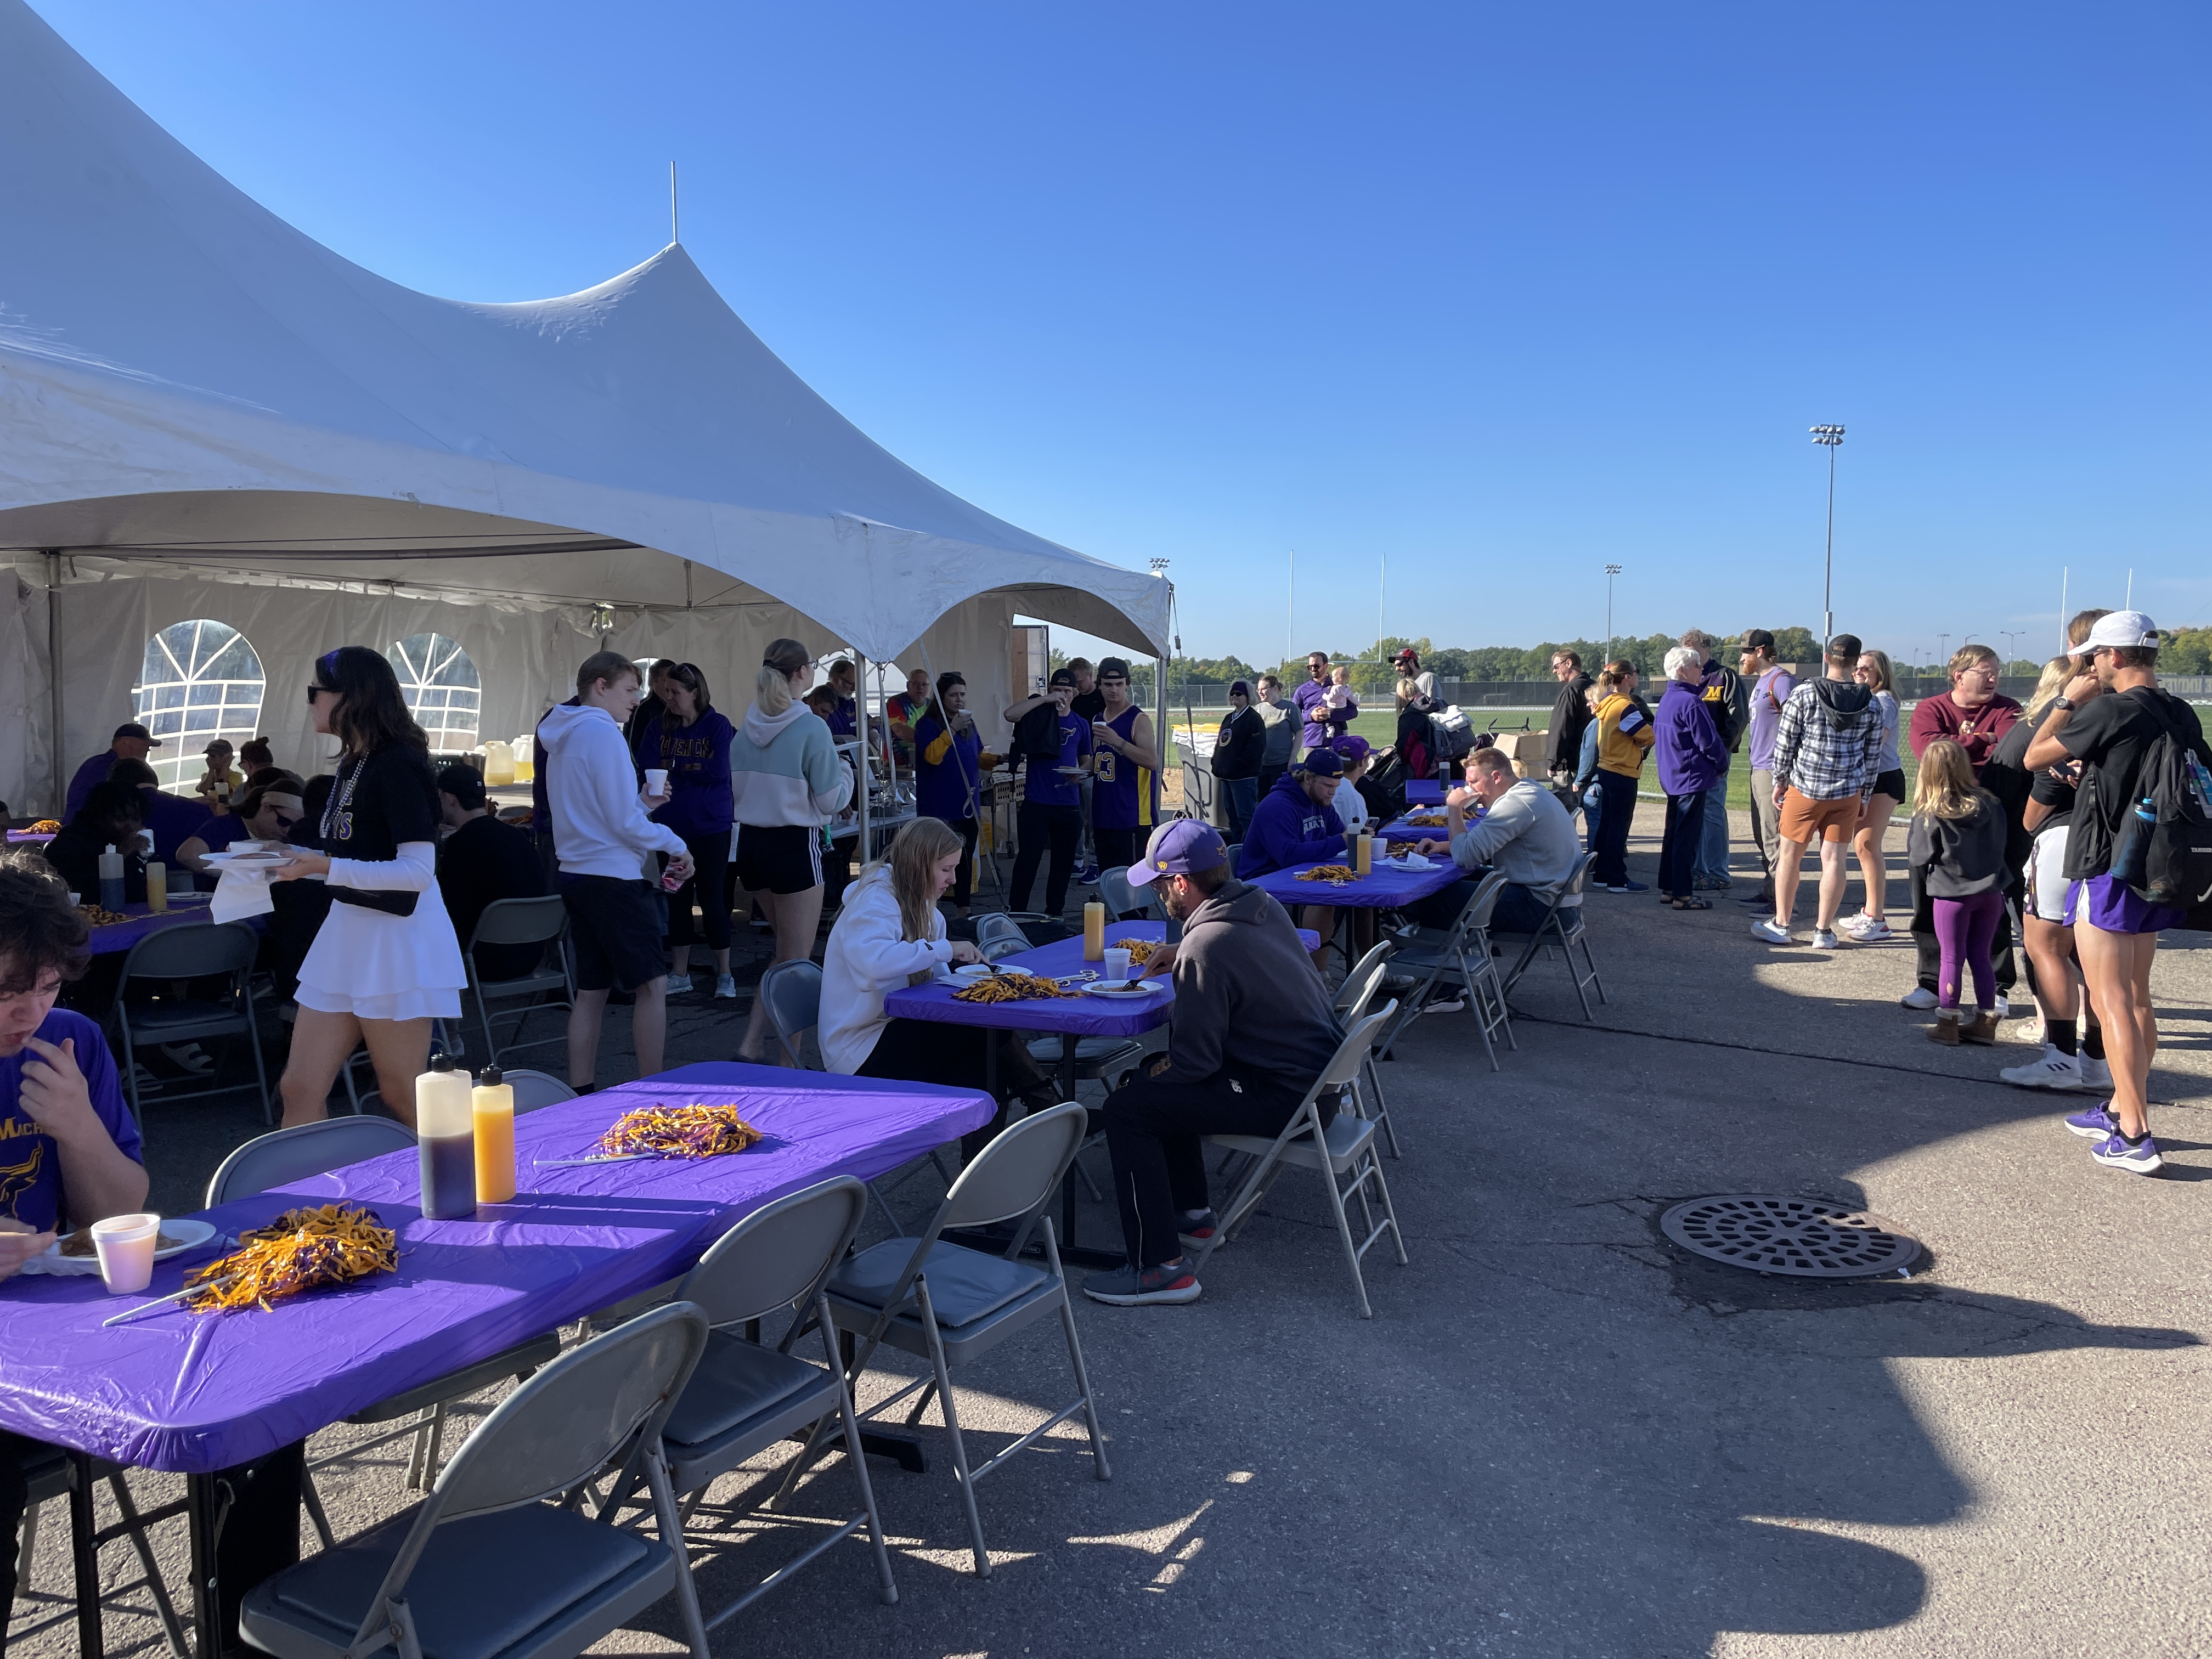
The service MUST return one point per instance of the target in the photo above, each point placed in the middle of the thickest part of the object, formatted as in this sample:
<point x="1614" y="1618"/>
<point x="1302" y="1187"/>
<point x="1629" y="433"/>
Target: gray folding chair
<point x="534" y="1089"/>
<point x="1461" y="955"/>
<point x="519" y="1573"/>
<point x="1562" y="929"/>
<point x="995" y="930"/>
<point x="793" y="994"/>
<point x="745" y="1397"/>
<point x="951" y="1304"/>
<point x="1344" y="1147"/>
<point x="189" y="951"/>
<point x="1352" y="997"/>
<point x="521" y="921"/>
<point x="283" y="1155"/>
<point x="1123" y="900"/>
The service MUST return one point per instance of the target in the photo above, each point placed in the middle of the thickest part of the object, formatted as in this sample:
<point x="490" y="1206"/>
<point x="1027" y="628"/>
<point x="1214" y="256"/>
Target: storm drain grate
<point x="1807" y="1238"/>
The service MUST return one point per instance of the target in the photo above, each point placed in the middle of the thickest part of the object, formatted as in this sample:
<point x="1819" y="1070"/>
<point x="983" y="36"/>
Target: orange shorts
<point x="1806" y="821"/>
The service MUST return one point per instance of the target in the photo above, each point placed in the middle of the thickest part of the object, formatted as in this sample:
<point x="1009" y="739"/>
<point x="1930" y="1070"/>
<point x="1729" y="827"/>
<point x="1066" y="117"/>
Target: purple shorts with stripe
<point x="2112" y="907"/>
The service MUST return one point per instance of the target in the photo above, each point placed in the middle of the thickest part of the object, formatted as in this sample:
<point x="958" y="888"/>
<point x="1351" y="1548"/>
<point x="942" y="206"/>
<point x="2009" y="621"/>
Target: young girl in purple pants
<point x="1959" y="838"/>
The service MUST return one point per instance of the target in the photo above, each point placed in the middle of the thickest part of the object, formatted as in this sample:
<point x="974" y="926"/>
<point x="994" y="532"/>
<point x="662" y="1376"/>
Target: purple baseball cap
<point x="1176" y="848"/>
<point x="1352" y="747"/>
<point x="1322" y="762"/>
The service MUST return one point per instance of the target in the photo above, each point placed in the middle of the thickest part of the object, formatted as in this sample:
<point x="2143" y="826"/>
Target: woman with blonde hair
<point x="1624" y="738"/>
<point x="787" y="781"/>
<point x="1959" y="838"/>
<point x="890" y="934"/>
<point x="1870" y="925"/>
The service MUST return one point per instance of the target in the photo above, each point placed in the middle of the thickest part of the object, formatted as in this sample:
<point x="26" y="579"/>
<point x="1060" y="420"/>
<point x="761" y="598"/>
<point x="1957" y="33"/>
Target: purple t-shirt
<point x="1767" y="697"/>
<point x="1312" y="699"/>
<point x="30" y="1163"/>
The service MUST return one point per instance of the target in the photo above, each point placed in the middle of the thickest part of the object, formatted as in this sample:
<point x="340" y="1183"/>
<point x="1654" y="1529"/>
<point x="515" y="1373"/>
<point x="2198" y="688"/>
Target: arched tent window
<point x="442" y="691"/>
<point x="200" y="681"/>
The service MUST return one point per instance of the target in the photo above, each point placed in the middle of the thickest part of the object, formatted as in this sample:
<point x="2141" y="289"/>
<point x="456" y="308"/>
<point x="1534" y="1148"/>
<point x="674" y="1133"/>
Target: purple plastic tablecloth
<point x="1387" y="889"/>
<point x="1424" y="792"/>
<point x="26" y="837"/>
<point x="193" y="1393"/>
<point x="183" y="907"/>
<point x="1086" y="1016"/>
<point x="1398" y="829"/>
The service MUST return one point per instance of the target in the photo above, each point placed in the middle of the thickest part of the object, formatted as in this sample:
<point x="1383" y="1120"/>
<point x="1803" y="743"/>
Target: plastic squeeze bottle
<point x="111" y="878"/>
<point x="1364" y="859"/>
<point x="157" y="887"/>
<point x="444" y="1135"/>
<point x="1094" y="932"/>
<point x="492" y="1106"/>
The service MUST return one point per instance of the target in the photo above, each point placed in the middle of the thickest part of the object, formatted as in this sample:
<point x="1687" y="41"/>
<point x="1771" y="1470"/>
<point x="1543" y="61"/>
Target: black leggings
<point x="1611" y="867"/>
<point x="958" y="1057"/>
<point x="1040" y="826"/>
<point x="710" y="859"/>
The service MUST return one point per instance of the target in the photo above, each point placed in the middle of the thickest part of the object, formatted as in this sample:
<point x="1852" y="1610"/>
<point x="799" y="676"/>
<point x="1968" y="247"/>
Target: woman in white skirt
<point x="385" y="963"/>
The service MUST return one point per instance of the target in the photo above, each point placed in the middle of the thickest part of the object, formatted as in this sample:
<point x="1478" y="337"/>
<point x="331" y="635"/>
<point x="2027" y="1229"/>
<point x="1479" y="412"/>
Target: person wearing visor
<point x="1251" y="1030"/>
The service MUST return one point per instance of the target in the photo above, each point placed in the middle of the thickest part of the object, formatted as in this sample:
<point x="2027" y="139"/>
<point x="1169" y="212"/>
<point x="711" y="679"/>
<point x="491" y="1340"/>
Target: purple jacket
<point x="1692" y="756"/>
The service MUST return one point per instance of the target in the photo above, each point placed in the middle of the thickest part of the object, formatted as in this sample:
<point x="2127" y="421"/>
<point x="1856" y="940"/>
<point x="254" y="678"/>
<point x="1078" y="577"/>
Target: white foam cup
<point x="1117" y="965"/>
<point x="656" y="780"/>
<point x="125" y="1247"/>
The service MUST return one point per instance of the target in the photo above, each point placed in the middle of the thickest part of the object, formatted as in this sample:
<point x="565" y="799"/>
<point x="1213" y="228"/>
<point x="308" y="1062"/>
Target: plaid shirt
<point x="1824" y="755"/>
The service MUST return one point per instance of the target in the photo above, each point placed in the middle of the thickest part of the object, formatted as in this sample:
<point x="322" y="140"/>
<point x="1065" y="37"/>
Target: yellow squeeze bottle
<point x="492" y="1105"/>
<point x="157" y="887"/>
<point x="1365" y="856"/>
<point x="1094" y="932"/>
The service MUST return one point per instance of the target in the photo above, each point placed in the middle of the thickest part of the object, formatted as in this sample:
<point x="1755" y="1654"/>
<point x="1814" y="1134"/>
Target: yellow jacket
<point x="1621" y="747"/>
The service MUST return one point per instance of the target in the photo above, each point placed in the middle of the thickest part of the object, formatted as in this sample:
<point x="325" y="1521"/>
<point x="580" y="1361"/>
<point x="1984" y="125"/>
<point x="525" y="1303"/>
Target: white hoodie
<point x="599" y="826"/>
<point x="866" y="960"/>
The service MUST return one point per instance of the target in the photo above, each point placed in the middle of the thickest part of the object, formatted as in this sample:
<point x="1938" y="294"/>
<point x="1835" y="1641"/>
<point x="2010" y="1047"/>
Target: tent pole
<point x="54" y="674"/>
<point x="1165" y="731"/>
<point x="861" y="760"/>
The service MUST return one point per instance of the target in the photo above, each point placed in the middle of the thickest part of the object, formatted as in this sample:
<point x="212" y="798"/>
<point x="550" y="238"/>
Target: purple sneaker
<point x="2118" y="1152"/>
<point x="2097" y="1123"/>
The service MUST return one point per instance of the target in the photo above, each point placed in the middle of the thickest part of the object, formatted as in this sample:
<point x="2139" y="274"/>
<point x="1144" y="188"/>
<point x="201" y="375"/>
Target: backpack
<point x="2164" y="848"/>
<point x="1451" y="734"/>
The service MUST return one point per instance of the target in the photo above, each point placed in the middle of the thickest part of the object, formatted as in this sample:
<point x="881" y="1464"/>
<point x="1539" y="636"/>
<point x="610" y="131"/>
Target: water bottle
<point x="2131" y="852"/>
<point x="111" y="878"/>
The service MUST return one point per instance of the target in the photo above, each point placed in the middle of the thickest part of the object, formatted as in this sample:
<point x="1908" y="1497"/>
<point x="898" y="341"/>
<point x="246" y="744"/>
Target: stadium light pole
<point x="1611" y="571"/>
<point x="1942" y="651"/>
<point x="2010" y="634"/>
<point x="1830" y="438"/>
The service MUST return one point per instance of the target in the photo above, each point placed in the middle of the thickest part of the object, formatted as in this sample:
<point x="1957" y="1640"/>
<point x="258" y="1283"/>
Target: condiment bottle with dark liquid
<point x="444" y="1134"/>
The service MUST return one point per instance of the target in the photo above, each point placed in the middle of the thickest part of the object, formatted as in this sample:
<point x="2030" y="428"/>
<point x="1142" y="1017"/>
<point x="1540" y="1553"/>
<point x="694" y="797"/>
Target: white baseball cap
<point x="2121" y="630"/>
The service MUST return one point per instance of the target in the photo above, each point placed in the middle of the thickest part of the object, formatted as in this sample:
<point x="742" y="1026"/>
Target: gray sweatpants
<point x="1766" y="826"/>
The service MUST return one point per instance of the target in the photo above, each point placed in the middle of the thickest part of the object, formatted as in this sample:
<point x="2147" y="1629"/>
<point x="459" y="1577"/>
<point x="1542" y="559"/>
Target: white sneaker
<point x="725" y="986"/>
<point x="2095" y="1073"/>
<point x="1867" y="930"/>
<point x="1454" y="1003"/>
<point x="1823" y="940"/>
<point x="2050" y="1070"/>
<point x="1919" y="998"/>
<point x="2003" y="1009"/>
<point x="1772" y="931"/>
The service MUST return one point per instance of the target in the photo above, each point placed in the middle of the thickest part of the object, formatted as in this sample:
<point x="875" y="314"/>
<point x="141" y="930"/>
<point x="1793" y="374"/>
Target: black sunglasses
<point x="314" y="691"/>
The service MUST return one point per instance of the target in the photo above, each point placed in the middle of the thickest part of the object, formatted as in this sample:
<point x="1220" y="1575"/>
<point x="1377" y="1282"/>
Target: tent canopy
<point x="185" y="378"/>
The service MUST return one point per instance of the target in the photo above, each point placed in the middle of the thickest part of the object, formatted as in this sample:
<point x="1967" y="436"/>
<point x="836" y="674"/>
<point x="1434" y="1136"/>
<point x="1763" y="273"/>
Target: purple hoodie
<point x="1692" y="756"/>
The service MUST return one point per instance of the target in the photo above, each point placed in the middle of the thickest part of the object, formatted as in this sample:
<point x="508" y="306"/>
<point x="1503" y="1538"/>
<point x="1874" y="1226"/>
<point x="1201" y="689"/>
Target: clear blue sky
<point x="1500" y="291"/>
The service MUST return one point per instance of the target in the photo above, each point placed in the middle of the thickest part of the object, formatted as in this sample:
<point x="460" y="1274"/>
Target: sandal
<point x="1693" y="904"/>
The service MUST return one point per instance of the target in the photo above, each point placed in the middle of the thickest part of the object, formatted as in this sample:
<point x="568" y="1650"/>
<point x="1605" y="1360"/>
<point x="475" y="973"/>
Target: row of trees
<point x="2189" y="651"/>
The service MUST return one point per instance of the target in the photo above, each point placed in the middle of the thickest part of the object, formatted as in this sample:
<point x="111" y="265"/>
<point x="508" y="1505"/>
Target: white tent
<point x="206" y="413"/>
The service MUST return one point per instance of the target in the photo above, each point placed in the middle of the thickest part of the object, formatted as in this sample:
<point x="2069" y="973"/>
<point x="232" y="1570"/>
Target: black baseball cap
<point x="464" y="783"/>
<point x="1063" y="677"/>
<point x="1757" y="639"/>
<point x="134" y="730"/>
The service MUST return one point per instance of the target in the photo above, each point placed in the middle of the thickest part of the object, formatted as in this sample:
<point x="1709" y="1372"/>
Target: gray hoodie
<point x="1248" y="1001"/>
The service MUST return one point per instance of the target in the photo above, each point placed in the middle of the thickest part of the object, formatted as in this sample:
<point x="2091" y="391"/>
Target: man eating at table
<point x="1250" y="1031"/>
<point x="1521" y="830"/>
<point x="68" y="1150"/>
<point x="1295" y="822"/>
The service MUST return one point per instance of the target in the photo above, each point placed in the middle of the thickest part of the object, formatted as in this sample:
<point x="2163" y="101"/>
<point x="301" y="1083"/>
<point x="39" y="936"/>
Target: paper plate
<point x="245" y="861"/>
<point x="1069" y="771"/>
<point x="189" y="1234"/>
<point x="1134" y="991"/>
<point x="969" y="973"/>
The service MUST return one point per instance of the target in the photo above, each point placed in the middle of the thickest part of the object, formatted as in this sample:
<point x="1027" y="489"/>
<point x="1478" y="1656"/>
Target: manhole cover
<point x="1807" y="1237"/>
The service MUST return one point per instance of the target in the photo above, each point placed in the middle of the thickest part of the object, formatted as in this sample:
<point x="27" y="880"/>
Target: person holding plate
<point x="384" y="964"/>
<point x="1055" y="745"/>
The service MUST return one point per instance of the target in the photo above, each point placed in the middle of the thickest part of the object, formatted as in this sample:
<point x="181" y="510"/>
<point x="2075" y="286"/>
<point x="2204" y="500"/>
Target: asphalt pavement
<point x="1561" y="1434"/>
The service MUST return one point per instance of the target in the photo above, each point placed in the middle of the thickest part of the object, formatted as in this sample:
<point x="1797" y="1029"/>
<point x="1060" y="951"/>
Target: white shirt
<point x="1350" y="806"/>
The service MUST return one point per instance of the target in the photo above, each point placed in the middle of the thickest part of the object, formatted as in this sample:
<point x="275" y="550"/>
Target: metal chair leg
<point x="172" y="1630"/>
<point x="1100" y="1469"/>
<point x="960" y="1474"/>
<point x="886" y="1588"/>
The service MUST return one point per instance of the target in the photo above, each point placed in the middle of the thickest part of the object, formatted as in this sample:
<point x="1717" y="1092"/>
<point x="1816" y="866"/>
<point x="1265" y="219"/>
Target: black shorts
<point x="778" y="858"/>
<point x="1892" y="784"/>
<point x="617" y="927"/>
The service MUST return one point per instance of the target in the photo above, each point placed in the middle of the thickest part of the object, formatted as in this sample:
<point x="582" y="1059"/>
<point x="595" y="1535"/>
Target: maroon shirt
<point x="1976" y="732"/>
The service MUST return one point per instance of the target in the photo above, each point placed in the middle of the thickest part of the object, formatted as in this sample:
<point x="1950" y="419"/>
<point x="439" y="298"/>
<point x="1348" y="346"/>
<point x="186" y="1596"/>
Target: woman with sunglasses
<point x="266" y="812"/>
<point x="384" y="964"/>
<point x="691" y="741"/>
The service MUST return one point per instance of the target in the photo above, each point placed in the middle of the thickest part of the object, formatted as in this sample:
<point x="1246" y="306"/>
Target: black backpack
<point x="2164" y="848"/>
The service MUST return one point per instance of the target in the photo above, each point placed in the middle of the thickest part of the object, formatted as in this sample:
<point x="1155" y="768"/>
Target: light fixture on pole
<point x="1943" y="647"/>
<point x="1830" y="438"/>
<point x="2012" y="651"/>
<point x="1611" y="571"/>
